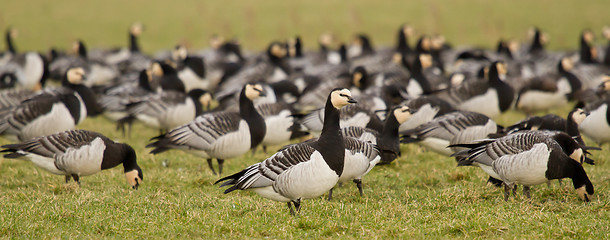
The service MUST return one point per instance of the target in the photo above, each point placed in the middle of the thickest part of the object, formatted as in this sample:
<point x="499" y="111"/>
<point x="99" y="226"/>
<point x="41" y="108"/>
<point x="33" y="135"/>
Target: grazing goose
<point x="550" y="90"/>
<point x="58" y="110"/>
<point x="451" y="128"/>
<point x="77" y="153"/>
<point x="531" y="158"/>
<point x="299" y="171"/>
<point x="168" y="109"/>
<point x="219" y="135"/>
<point x="387" y="140"/>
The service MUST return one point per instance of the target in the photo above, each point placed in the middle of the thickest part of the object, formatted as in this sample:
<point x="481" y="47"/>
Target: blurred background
<point x="43" y="24"/>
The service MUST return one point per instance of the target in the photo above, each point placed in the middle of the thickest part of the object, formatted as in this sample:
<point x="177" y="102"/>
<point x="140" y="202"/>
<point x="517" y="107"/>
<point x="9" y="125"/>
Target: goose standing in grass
<point x="77" y="153"/>
<point x="451" y="128"/>
<point x="387" y="140"/>
<point x="360" y="158"/>
<point x="219" y="135"/>
<point x="531" y="158"/>
<point x="52" y="111"/>
<point x="299" y="171"/>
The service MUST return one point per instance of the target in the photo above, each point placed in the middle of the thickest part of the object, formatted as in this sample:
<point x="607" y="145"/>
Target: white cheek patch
<point x="402" y="115"/>
<point x="577" y="155"/>
<point x="132" y="178"/>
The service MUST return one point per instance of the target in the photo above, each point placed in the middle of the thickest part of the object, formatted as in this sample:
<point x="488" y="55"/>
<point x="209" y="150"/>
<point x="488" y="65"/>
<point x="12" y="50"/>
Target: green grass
<point x="421" y="195"/>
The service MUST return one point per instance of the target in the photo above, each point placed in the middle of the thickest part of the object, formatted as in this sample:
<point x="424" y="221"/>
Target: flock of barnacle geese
<point x="350" y="106"/>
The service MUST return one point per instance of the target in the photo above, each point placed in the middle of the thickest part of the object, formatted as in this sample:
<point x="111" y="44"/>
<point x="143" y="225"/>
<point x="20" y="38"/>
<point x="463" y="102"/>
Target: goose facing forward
<point x="219" y="135"/>
<point x="77" y="153"/>
<point x="300" y="171"/>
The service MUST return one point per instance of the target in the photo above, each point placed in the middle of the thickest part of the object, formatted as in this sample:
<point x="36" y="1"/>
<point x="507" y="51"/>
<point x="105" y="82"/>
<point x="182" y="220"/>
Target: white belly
<point x="595" y="126"/>
<point x="277" y="129"/>
<point x="232" y="144"/>
<point x="306" y="180"/>
<point x="57" y="120"/>
<point x="486" y="104"/>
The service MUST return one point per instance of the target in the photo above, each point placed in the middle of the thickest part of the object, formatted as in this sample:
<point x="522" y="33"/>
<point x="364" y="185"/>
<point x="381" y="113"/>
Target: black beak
<point x="136" y="186"/>
<point x="352" y="100"/>
<point x="262" y="93"/>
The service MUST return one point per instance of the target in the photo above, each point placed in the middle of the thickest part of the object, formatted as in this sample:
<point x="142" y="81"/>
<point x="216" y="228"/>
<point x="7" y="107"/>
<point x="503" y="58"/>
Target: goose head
<point x="578" y="115"/>
<point x="133" y="172"/>
<point x="403" y="113"/>
<point x="341" y="97"/>
<point x="359" y="77"/>
<point x="179" y="53"/>
<point x="75" y="76"/>
<point x="254" y="91"/>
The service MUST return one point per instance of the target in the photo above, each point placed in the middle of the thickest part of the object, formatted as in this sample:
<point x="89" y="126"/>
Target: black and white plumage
<point x="360" y="158"/>
<point x="490" y="96"/>
<point x="351" y="115"/>
<point x="281" y="121"/>
<point x="596" y="126"/>
<point x="219" y="135"/>
<point x="115" y="99"/>
<point x="451" y="128"/>
<point x="168" y="109"/>
<point x="77" y="153"/>
<point x="191" y="69"/>
<point x="47" y="113"/>
<point x="30" y="69"/>
<point x="300" y="171"/>
<point x="551" y="90"/>
<point x="425" y="109"/>
<point x="387" y="140"/>
<point x="530" y="158"/>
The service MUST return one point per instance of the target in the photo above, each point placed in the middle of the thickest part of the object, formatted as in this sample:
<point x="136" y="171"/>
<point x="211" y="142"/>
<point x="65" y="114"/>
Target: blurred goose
<point x="55" y="111"/>
<point x="531" y="158"/>
<point x="596" y="126"/>
<point x="451" y="128"/>
<point x="281" y="121"/>
<point x="490" y="97"/>
<point x="191" y="69"/>
<point x="10" y="47"/>
<point x="352" y="115"/>
<point x="550" y="90"/>
<point x="360" y="158"/>
<point x="387" y="140"/>
<point x="115" y="99"/>
<point x="30" y="69"/>
<point x="77" y="153"/>
<point x="426" y="108"/>
<point x="219" y="135"/>
<point x="168" y="109"/>
<point x="299" y="171"/>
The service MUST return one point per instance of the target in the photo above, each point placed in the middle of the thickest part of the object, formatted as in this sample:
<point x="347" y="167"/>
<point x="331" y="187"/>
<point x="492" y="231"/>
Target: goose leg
<point x="290" y="207"/>
<point x="330" y="194"/>
<point x="76" y="179"/>
<point x="253" y="151"/>
<point x="68" y="177"/>
<point x="297" y="205"/>
<point x="221" y="163"/>
<point x="211" y="166"/>
<point x="506" y="191"/>
<point x="358" y="183"/>
<point x="515" y="191"/>
<point x="526" y="191"/>
<point x="265" y="149"/>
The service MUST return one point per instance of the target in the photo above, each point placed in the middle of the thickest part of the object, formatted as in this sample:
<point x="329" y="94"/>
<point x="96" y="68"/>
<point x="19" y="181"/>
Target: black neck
<point x="89" y="99"/>
<point x="575" y="83"/>
<point x="536" y="43"/>
<point x="403" y="43"/>
<point x="506" y="93"/>
<point x="330" y="144"/>
<point x="133" y="43"/>
<point x="82" y="50"/>
<point x="389" y="134"/>
<point x="9" y="42"/>
<point x="255" y="121"/>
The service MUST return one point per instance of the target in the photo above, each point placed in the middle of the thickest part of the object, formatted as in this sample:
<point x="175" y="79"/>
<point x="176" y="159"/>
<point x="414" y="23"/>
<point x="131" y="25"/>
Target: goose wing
<point x="51" y="145"/>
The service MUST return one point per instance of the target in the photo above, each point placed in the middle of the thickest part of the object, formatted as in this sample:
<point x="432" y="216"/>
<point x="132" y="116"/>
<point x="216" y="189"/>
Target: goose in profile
<point x="219" y="135"/>
<point x="530" y="158"/>
<point x="191" y="69"/>
<point x="52" y="111"/>
<point x="300" y="171"/>
<point x="77" y="153"/>
<point x="451" y="128"/>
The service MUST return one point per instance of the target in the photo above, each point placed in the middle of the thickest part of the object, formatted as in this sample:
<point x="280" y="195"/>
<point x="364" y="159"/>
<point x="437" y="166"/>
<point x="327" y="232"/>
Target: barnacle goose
<point x="531" y="158"/>
<point x="596" y="126"/>
<point x="387" y="140"/>
<point x="77" y="153"/>
<point x="168" y="109"/>
<point x="550" y="90"/>
<point x="30" y="69"/>
<point x="427" y="108"/>
<point x="299" y="171"/>
<point x="115" y="99"/>
<point x="191" y="69"/>
<point x="352" y="115"/>
<point x="219" y="135"/>
<point x="98" y="72"/>
<point x="281" y="121"/>
<point x="491" y="96"/>
<point x="54" y="111"/>
<point x="360" y="158"/>
<point x="451" y="128"/>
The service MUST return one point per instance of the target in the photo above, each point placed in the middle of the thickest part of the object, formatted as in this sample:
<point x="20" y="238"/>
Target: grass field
<point x="421" y="195"/>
